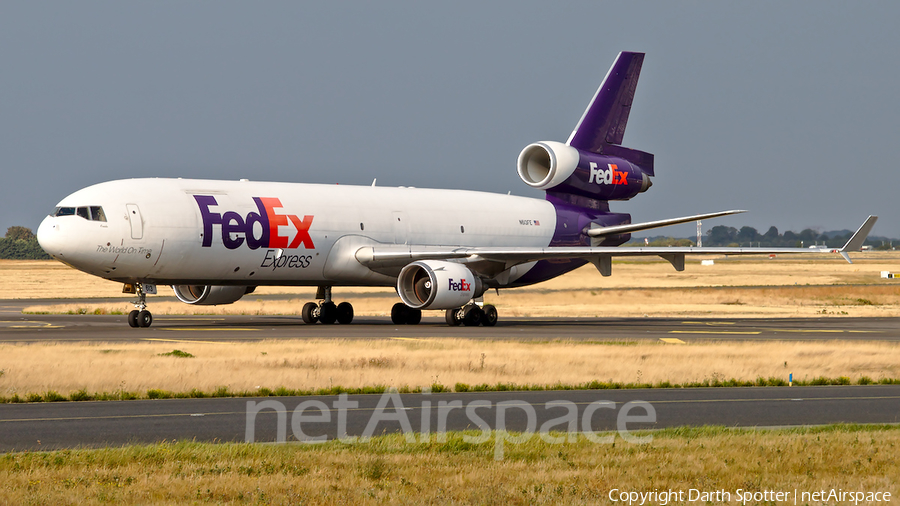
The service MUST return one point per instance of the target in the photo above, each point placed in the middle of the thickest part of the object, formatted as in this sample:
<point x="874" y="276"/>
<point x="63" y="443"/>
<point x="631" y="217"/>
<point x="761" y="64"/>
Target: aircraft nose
<point x="49" y="236"/>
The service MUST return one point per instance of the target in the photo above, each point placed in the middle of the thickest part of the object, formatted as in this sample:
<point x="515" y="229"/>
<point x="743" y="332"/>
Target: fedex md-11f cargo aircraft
<point x="216" y="241"/>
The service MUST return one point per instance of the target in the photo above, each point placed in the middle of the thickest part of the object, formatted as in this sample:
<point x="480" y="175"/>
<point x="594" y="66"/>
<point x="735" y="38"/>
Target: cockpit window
<point x="90" y="213"/>
<point x="97" y="214"/>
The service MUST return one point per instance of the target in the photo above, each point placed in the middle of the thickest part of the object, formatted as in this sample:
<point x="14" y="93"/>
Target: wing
<point x="490" y="261"/>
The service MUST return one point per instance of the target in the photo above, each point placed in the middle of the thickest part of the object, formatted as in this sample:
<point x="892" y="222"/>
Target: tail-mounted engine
<point x="206" y="295"/>
<point x="435" y="284"/>
<point x="616" y="174"/>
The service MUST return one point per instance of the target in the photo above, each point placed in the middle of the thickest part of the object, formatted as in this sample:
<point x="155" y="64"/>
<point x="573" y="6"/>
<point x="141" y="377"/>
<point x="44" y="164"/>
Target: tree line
<point x="20" y="243"/>
<point x="749" y="237"/>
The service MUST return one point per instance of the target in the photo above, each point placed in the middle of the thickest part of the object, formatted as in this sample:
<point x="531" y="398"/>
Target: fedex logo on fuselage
<point x="235" y="229"/>
<point x="611" y="175"/>
<point x="462" y="286"/>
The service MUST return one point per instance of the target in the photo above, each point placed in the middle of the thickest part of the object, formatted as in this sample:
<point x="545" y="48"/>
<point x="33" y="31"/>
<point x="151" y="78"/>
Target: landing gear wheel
<point x="344" y="313"/>
<point x="399" y="313"/>
<point x="413" y="316"/>
<point x="452" y="317"/>
<point x="133" y="318"/>
<point x="144" y="318"/>
<point x="472" y="316"/>
<point x="490" y="316"/>
<point x="328" y="313"/>
<point x="309" y="313"/>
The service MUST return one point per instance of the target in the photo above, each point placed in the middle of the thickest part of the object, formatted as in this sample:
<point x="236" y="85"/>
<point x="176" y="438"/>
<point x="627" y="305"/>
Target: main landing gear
<point x="326" y="311"/>
<point x="401" y="314"/>
<point x="471" y="315"/>
<point x="140" y="317"/>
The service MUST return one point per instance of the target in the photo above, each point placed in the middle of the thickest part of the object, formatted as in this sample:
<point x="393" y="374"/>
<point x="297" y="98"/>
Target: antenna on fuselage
<point x="373" y="182"/>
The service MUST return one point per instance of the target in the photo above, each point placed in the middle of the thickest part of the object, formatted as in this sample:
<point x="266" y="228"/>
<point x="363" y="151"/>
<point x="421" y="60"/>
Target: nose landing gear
<point x="326" y="311"/>
<point x="140" y="317"/>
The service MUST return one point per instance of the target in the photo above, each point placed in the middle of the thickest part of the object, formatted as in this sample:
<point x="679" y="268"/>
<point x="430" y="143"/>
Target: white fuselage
<point x="159" y="231"/>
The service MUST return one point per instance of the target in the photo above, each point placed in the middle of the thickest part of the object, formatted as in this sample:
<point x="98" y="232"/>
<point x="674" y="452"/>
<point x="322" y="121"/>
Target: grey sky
<point x="788" y="109"/>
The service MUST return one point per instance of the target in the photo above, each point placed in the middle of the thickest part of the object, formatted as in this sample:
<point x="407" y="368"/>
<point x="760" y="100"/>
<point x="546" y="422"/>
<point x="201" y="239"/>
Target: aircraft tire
<point x="472" y="316"/>
<point x="133" y="318"/>
<point x="413" y="316"/>
<point x="308" y="313"/>
<point x="328" y="313"/>
<point x="399" y="313"/>
<point x="144" y="318"/>
<point x="451" y="317"/>
<point x="490" y="316"/>
<point x="344" y="313"/>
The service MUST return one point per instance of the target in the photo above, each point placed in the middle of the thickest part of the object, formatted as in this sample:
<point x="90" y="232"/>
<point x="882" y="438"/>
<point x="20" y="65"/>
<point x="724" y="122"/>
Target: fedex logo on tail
<point x="235" y="229"/>
<point x="610" y="175"/>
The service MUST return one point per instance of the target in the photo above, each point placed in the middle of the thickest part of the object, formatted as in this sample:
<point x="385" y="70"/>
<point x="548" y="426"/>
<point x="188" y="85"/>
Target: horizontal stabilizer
<point x="635" y="227"/>
<point x="642" y="159"/>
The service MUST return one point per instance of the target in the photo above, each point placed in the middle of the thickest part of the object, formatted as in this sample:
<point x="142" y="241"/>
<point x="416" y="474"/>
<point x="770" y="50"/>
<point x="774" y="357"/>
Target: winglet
<point x="855" y="243"/>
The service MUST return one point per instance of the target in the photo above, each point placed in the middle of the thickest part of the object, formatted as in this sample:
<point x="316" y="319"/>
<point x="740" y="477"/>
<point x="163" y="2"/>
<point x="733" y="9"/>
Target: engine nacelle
<point x="561" y="168"/>
<point x="207" y="295"/>
<point x="435" y="284"/>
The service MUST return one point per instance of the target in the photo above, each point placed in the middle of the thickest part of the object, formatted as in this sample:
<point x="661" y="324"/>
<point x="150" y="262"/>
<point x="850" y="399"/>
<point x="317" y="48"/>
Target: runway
<point x="16" y="327"/>
<point x="45" y="426"/>
<point x="93" y="424"/>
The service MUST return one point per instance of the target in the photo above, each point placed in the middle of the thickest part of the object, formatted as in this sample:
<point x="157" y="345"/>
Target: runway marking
<point x="707" y="323"/>
<point x="31" y="324"/>
<point x="263" y="413"/>
<point x="185" y="341"/>
<point x="748" y="332"/>
<point x="201" y="329"/>
<point x="191" y="319"/>
<point x="671" y="340"/>
<point x="831" y="331"/>
<point x="110" y="417"/>
<point x="33" y="327"/>
<point x="409" y="339"/>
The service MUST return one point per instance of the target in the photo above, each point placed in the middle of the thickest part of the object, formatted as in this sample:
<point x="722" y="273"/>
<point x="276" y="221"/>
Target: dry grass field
<point x="389" y="470"/>
<point x="787" y="286"/>
<point x="322" y="364"/>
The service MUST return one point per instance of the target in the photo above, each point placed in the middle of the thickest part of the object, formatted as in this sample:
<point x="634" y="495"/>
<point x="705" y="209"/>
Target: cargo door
<point x="137" y="223"/>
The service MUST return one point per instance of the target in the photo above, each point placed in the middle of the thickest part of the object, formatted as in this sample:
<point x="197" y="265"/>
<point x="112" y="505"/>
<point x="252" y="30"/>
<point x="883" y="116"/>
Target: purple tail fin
<point x="604" y="120"/>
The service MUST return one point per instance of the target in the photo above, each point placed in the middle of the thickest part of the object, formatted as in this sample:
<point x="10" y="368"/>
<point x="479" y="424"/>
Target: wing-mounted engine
<point x="437" y="284"/>
<point x="554" y="166"/>
<point x="207" y="295"/>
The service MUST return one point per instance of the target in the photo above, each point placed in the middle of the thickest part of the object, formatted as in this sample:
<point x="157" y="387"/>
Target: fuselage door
<point x="137" y="223"/>
<point x="400" y="227"/>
